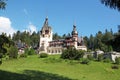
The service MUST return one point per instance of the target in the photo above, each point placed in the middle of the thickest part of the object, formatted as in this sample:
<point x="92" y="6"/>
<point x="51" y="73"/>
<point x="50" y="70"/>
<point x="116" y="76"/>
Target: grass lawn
<point x="53" y="68"/>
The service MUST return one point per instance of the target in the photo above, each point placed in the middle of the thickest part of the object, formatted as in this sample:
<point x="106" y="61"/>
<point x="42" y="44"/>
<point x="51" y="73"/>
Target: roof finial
<point x="74" y="25"/>
<point x="46" y="17"/>
<point x="46" y="21"/>
<point x="46" y="14"/>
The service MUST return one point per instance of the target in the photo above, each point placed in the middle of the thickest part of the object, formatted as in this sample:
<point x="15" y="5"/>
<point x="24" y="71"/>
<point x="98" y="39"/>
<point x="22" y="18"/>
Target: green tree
<point x="13" y="52"/>
<point x="56" y="36"/>
<point x="2" y="4"/>
<point x="16" y="36"/>
<point x="5" y="43"/>
<point x="114" y="4"/>
<point x="115" y="42"/>
<point x="64" y="36"/>
<point x="98" y="40"/>
<point x="86" y="41"/>
<point x="91" y="42"/>
<point x="119" y="29"/>
<point x="25" y="37"/>
<point x="34" y="39"/>
<point x="72" y="54"/>
<point x="4" y="40"/>
<point x="107" y="36"/>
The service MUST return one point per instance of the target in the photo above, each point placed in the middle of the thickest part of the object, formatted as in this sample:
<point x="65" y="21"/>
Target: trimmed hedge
<point x="43" y="55"/>
<point x="85" y="61"/>
<point x="115" y="67"/>
<point x="23" y="55"/>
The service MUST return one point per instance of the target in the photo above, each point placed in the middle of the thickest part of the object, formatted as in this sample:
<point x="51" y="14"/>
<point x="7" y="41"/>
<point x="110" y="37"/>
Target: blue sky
<point x="90" y="16"/>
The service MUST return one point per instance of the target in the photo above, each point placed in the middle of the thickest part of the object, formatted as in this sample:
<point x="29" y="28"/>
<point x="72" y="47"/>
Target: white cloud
<point x="32" y="28"/>
<point x="5" y="26"/>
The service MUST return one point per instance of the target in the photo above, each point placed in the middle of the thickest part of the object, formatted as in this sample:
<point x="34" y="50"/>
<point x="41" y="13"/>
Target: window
<point x="56" y="51"/>
<point x="46" y="31"/>
<point x="43" y="35"/>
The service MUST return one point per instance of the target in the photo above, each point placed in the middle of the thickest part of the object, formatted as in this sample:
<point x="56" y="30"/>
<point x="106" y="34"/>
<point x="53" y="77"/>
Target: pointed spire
<point x="74" y="27"/>
<point x="46" y="22"/>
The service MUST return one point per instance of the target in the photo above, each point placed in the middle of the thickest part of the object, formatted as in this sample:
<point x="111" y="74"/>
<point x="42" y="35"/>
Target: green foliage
<point x="90" y="57"/>
<point x="5" y="43"/>
<point x="100" y="57"/>
<point x="56" y="36"/>
<point x="116" y="42"/>
<point x="107" y="60"/>
<point x="114" y="4"/>
<point x="101" y="41"/>
<point x="115" y="67"/>
<point x="29" y="51"/>
<point x="43" y="55"/>
<point x="85" y="61"/>
<point x="23" y="55"/>
<point x="72" y="54"/>
<point x="26" y="51"/>
<point x="16" y="69"/>
<point x="2" y="4"/>
<point x="117" y="60"/>
<point x="0" y="62"/>
<point x="1" y="55"/>
<point x="13" y="52"/>
<point x="110" y="48"/>
<point x="3" y="40"/>
<point x="25" y="37"/>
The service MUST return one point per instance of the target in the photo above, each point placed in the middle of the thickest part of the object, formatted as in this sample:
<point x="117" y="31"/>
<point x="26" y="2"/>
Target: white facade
<point x="50" y="46"/>
<point x="46" y="36"/>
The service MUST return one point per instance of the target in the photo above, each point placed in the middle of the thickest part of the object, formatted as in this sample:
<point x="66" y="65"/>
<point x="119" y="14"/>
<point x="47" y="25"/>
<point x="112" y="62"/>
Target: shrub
<point x="107" y="60"/>
<point x="23" y="55"/>
<point x="1" y="55"/>
<point x="117" y="60"/>
<point x="90" y="57"/>
<point x="29" y="51"/>
<point x="72" y="54"/>
<point x="13" y="52"/>
<point x="115" y="67"/>
<point x="85" y="61"/>
<point x="0" y="62"/>
<point x="100" y="57"/>
<point x="43" y="55"/>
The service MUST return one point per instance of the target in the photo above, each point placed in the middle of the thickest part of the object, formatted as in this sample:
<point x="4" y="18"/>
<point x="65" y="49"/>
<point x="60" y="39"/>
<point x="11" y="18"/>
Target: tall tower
<point x="75" y="36"/>
<point x="46" y="35"/>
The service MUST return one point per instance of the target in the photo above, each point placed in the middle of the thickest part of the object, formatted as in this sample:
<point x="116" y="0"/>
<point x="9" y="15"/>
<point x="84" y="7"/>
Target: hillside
<point x="53" y="68"/>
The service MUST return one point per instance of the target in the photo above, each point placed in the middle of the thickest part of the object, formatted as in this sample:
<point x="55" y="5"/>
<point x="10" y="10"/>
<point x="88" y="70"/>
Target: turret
<point x="74" y="33"/>
<point x="75" y="36"/>
<point x="45" y="36"/>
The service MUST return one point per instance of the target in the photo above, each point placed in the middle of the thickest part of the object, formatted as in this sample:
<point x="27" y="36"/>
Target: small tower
<point x="45" y="36"/>
<point x="75" y="36"/>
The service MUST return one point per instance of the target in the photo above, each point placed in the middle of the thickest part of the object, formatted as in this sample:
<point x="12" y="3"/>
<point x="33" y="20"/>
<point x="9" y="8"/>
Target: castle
<point x="50" y="46"/>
